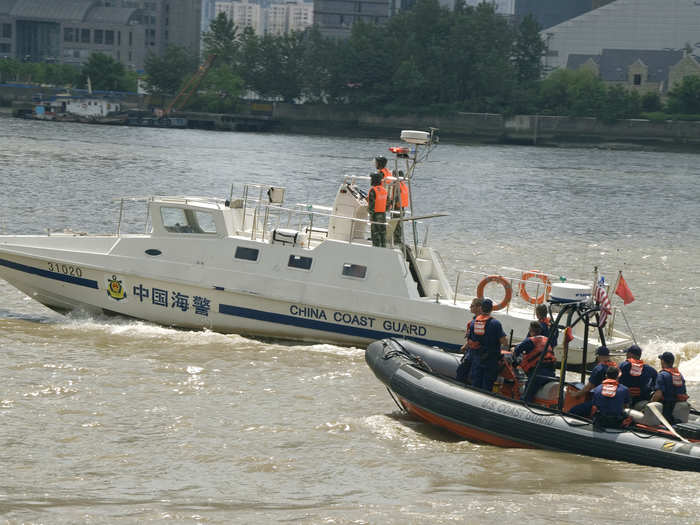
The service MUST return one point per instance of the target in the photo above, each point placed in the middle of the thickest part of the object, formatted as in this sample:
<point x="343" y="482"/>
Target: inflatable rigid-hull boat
<point x="423" y="380"/>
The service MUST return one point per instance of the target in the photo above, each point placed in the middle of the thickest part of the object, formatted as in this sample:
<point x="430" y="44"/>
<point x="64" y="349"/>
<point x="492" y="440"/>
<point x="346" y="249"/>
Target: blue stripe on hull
<point x="313" y="324"/>
<point x="89" y="283"/>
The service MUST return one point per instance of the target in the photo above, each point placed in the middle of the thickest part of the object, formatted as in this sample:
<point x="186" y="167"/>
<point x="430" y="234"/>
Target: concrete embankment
<point x="458" y="126"/>
<point x="485" y="127"/>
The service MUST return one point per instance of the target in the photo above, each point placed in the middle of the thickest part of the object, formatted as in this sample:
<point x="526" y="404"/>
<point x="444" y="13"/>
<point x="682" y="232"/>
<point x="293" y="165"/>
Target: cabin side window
<point x="179" y="220"/>
<point x="354" y="270"/>
<point x="299" y="261"/>
<point x="247" y="254"/>
<point x="205" y="221"/>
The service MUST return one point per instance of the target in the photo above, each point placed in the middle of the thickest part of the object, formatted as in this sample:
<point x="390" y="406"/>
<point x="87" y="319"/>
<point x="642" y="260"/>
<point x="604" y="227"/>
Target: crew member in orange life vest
<point x="464" y="368"/>
<point x="486" y="336"/>
<point x="609" y="401"/>
<point x="596" y="378"/>
<point x="376" y="205"/>
<point x="400" y="204"/>
<point x="380" y="164"/>
<point x="531" y="348"/>
<point x="400" y="201"/>
<point x="639" y="377"/>
<point x="670" y="390"/>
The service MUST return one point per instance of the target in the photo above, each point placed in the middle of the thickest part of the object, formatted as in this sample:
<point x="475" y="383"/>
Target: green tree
<point x="651" y="102"/>
<point x="368" y="64"/>
<point x="528" y="50"/>
<point x="289" y="78"/>
<point x="577" y="93"/>
<point x="9" y="69"/>
<point x="104" y="73"/>
<point x="222" y="40"/>
<point x="220" y="90"/>
<point x="684" y="97"/>
<point x="619" y="104"/>
<point x="165" y="75"/>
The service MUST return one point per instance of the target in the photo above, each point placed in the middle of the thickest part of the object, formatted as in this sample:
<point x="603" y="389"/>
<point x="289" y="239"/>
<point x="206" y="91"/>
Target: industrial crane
<point x="190" y="87"/>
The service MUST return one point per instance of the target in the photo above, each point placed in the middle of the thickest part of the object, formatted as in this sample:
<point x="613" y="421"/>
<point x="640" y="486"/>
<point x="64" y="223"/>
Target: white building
<point x="290" y="16"/>
<point x="504" y="7"/>
<point x="243" y="14"/>
<point x="625" y="24"/>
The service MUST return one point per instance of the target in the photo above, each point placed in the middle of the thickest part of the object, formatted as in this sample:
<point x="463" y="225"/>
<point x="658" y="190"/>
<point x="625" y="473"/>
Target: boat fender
<point x="542" y="277"/>
<point x="508" y="289"/>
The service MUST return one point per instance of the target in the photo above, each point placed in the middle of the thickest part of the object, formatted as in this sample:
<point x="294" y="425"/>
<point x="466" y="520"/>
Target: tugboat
<point x="257" y="266"/>
<point x="423" y="382"/>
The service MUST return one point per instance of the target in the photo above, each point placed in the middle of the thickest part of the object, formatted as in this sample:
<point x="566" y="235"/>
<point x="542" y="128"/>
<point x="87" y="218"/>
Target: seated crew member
<point x="532" y="348"/>
<point x="610" y="399"/>
<point x="639" y="377"/>
<point x="596" y="378"/>
<point x="464" y="368"/>
<point x="376" y="206"/>
<point x="546" y="324"/>
<point x="670" y="395"/>
<point x="488" y="336"/>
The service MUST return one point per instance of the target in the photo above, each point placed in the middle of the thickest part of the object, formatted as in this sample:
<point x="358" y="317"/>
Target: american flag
<point x="601" y="297"/>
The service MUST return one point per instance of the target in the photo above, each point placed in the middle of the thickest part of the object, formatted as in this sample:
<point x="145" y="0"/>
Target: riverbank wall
<point x="488" y="128"/>
<point x="457" y="127"/>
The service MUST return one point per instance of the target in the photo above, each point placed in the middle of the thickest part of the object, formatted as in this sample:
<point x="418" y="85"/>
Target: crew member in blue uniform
<point x="596" y="378"/>
<point x="639" y="377"/>
<point x="545" y="323"/>
<point x="670" y="391"/>
<point x="610" y="399"/>
<point x="531" y="349"/>
<point x="464" y="368"/>
<point x="487" y="336"/>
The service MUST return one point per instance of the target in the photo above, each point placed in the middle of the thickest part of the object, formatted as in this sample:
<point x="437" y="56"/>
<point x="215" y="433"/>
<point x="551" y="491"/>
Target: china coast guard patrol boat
<point x="256" y="266"/>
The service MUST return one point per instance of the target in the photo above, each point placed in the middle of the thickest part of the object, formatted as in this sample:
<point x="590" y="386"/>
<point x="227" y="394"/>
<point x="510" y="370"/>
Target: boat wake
<point x="688" y="352"/>
<point x="411" y="432"/>
<point x="142" y="330"/>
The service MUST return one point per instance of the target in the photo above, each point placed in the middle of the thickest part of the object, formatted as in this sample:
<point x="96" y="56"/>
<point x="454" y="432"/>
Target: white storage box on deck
<point x="569" y="293"/>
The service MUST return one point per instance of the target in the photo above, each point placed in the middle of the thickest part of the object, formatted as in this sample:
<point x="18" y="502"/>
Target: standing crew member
<point x="532" y="348"/>
<point x="468" y="359"/>
<point x="380" y="164"/>
<point x="487" y="336"/>
<point x="376" y="205"/>
<point x="400" y="204"/>
<point x="610" y="400"/>
<point x="639" y="377"/>
<point x="670" y="390"/>
<point x="596" y="378"/>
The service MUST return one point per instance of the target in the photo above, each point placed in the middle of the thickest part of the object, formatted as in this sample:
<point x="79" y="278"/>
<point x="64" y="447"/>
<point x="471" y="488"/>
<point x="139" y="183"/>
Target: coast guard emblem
<point x="115" y="289"/>
<point x="669" y="445"/>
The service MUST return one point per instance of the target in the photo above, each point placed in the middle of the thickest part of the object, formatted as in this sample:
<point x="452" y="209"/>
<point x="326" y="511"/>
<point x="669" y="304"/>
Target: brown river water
<point x="108" y="420"/>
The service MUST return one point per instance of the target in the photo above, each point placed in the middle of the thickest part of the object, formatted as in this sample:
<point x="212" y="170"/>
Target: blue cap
<point x="668" y="357"/>
<point x="635" y="350"/>
<point x="602" y="350"/>
<point x="487" y="304"/>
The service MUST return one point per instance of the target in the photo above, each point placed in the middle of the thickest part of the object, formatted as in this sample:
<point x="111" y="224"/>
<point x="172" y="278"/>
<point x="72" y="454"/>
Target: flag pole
<point x="612" y="293"/>
<point x="613" y="290"/>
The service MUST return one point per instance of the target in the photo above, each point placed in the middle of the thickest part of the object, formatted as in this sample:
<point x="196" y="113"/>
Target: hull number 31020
<point x="65" y="269"/>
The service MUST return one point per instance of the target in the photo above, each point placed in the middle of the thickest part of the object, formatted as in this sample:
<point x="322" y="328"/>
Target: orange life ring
<point x="500" y="280"/>
<point x="542" y="277"/>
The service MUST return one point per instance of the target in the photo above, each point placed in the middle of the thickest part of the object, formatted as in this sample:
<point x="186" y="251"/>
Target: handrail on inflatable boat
<point x="575" y="312"/>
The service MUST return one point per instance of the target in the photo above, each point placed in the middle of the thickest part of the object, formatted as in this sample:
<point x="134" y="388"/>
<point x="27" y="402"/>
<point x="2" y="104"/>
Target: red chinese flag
<point x="624" y="291"/>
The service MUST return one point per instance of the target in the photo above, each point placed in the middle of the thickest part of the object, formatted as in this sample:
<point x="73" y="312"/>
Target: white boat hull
<point x="65" y="285"/>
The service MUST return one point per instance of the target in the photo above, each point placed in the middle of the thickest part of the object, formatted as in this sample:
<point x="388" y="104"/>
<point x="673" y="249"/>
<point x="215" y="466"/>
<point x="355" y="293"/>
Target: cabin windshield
<point x="180" y="220"/>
